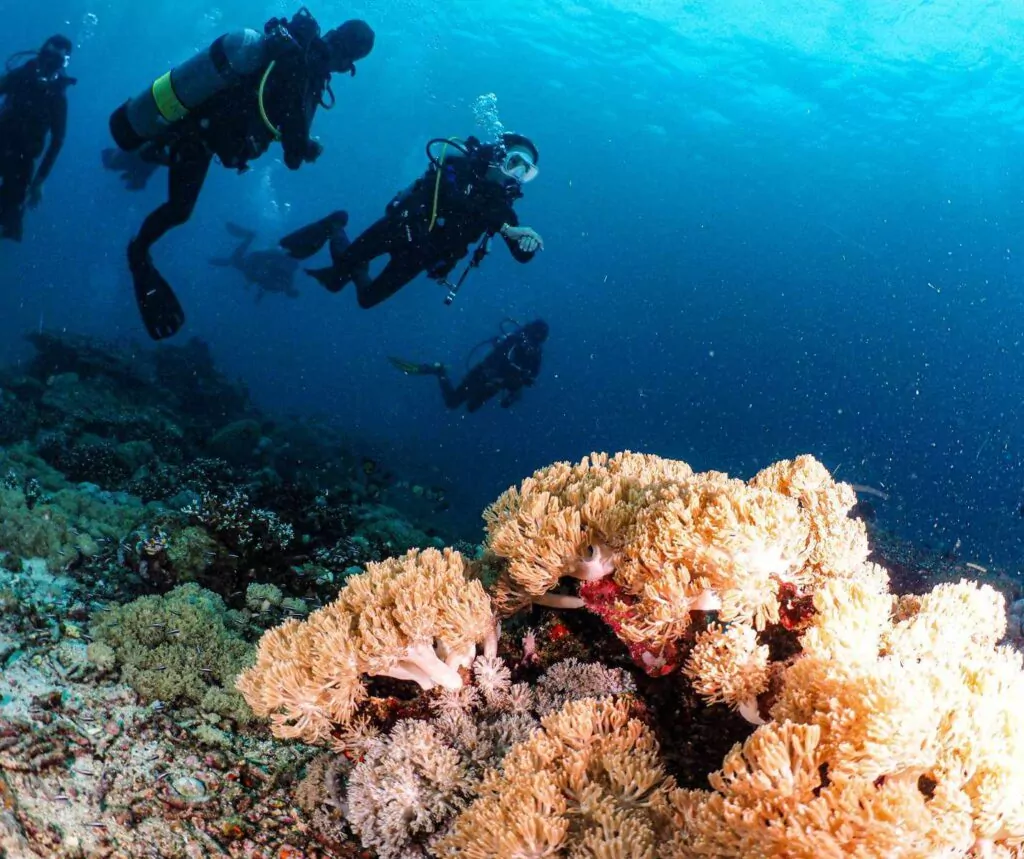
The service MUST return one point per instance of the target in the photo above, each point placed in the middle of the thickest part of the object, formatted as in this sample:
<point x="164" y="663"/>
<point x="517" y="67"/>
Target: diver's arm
<point x="5" y="82"/>
<point x="58" y="130"/>
<point x="512" y="395"/>
<point x="522" y="242"/>
<point x="299" y="147"/>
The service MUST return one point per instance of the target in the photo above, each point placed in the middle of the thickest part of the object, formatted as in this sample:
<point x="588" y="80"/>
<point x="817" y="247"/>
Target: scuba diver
<point x="231" y="102"/>
<point x="512" y="364"/>
<point x="429" y="227"/>
<point x="273" y="270"/>
<point x="35" y="105"/>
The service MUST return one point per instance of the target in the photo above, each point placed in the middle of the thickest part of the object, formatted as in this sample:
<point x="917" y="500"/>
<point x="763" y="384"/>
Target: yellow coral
<point x="419" y="617"/>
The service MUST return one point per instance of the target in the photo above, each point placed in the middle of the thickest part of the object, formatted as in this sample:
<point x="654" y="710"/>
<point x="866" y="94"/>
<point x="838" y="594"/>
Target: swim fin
<point x="161" y="312"/>
<point x="413" y="369"/>
<point x="306" y="241"/>
<point x="327" y="278"/>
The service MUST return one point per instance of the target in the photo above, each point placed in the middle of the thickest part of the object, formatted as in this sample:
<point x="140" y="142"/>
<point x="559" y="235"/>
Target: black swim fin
<point x="306" y="241"/>
<point x="161" y="312"/>
<point x="327" y="278"/>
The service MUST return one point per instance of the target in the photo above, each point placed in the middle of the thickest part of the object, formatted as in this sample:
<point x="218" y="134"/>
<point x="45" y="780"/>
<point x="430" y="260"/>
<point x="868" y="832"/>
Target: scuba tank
<point x="171" y="97"/>
<point x="232" y="57"/>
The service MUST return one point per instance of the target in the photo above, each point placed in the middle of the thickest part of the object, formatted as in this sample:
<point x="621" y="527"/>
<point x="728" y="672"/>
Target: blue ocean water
<point x="771" y="228"/>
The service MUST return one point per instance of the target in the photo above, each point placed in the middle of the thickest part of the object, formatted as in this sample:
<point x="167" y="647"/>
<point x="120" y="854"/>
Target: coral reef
<point x="876" y="725"/>
<point x="178" y="649"/>
<point x="688" y="665"/>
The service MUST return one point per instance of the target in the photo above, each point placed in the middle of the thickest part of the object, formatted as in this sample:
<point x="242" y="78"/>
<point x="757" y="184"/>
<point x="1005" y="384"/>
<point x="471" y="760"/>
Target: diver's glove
<point x="526" y="237"/>
<point x="314" y="150"/>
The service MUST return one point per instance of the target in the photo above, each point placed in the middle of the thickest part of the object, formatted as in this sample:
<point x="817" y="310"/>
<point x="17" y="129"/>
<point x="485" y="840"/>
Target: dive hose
<point x="259" y="97"/>
<point x="438" y="164"/>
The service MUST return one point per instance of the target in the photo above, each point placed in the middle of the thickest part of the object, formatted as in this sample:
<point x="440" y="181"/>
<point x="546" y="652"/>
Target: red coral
<point x="795" y="608"/>
<point x="613" y="605"/>
<point x="557" y="632"/>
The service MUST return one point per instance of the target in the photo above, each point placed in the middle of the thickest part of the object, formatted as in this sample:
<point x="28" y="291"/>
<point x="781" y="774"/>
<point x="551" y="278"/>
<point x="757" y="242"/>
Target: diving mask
<point x="519" y="165"/>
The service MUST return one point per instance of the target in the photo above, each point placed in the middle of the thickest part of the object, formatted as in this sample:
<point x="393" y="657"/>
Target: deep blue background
<point x="770" y="229"/>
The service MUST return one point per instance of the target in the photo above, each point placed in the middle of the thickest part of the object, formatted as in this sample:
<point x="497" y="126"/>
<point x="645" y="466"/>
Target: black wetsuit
<point x="229" y="127"/>
<point x="34" y="106"/>
<point x="513" y="364"/>
<point x="469" y="206"/>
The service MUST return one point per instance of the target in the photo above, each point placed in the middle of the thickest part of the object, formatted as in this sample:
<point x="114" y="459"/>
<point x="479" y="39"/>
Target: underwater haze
<point x="771" y="228"/>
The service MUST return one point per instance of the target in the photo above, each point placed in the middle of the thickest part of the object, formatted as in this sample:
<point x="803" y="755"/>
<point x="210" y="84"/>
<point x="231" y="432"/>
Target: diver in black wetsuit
<point x="229" y="102"/>
<point x="512" y="364"/>
<point x="35" y="105"/>
<point x="466" y="194"/>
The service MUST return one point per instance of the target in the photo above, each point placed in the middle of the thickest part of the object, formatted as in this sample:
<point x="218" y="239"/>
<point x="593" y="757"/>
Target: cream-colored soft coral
<point x="714" y="535"/>
<point x="589" y="784"/>
<point x="564" y="521"/>
<point x="728" y="665"/>
<point x="838" y="544"/>
<point x="420" y="617"/>
<point x="775" y="797"/>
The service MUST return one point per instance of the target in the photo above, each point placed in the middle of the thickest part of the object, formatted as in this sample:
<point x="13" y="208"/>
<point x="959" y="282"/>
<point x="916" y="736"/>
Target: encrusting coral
<point x="176" y="648"/>
<point x="419" y="617"/>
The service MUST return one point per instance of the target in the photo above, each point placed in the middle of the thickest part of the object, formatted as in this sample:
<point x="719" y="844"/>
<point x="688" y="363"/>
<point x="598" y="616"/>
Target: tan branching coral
<point x="775" y="797"/>
<point x="589" y="784"/>
<point x="892" y="735"/>
<point x="651" y="543"/>
<point x="419" y="617"/>
<point x="565" y="520"/>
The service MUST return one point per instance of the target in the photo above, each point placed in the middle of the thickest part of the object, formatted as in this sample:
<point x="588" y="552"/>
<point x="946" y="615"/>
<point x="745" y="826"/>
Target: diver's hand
<point x="35" y="194"/>
<point x="314" y="150"/>
<point x="527" y="238"/>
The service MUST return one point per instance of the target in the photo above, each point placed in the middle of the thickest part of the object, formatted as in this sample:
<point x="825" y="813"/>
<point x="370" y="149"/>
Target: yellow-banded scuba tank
<point x="172" y="96"/>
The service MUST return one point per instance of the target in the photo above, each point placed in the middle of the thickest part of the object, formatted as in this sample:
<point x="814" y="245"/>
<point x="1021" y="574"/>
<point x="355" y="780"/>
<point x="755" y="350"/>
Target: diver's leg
<point x="189" y="166"/>
<point x="308" y="240"/>
<point x="351" y="261"/>
<point x="159" y="306"/>
<point x="397" y="273"/>
<point x="453" y="397"/>
<point x="15" y="177"/>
